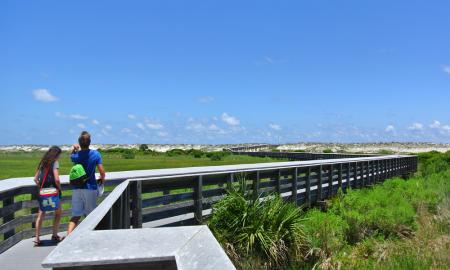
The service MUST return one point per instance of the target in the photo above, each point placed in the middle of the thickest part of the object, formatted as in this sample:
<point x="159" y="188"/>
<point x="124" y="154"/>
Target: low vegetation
<point x="22" y="164"/>
<point x="399" y="224"/>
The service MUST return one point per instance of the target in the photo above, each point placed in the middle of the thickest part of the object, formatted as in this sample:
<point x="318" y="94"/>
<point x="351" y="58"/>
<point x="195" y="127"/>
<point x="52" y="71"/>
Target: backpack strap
<point x="45" y="177"/>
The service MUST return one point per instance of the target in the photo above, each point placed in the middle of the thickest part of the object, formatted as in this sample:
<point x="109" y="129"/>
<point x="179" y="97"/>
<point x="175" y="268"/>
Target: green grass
<point x="21" y="164"/>
<point x="398" y="224"/>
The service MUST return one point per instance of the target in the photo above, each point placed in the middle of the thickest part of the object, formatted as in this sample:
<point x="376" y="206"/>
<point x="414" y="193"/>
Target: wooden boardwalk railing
<point x="184" y="196"/>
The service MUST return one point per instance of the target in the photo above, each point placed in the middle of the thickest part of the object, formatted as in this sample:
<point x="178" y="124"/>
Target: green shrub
<point x="217" y="156"/>
<point x="327" y="151"/>
<point x="195" y="153"/>
<point x="380" y="210"/>
<point x="269" y="228"/>
<point x="143" y="147"/>
<point x="175" y="152"/>
<point x="386" y="152"/>
<point x="129" y="154"/>
<point x="326" y="232"/>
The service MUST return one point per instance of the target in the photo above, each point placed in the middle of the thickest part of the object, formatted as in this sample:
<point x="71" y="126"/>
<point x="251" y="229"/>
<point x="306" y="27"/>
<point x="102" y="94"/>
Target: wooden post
<point x="348" y="177"/>
<point x="136" y="204"/>
<point x="319" y="185"/>
<point x="355" y="176"/>
<point x="256" y="182"/>
<point x="330" y="181"/>
<point x="7" y="218"/>
<point x="308" y="187"/>
<point x="198" y="199"/>
<point x="278" y="183"/>
<point x="230" y="180"/>
<point x="294" y="186"/>
<point x="340" y="177"/>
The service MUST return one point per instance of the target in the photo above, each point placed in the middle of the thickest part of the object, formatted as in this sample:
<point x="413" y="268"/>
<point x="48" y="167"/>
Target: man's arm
<point x="101" y="170"/>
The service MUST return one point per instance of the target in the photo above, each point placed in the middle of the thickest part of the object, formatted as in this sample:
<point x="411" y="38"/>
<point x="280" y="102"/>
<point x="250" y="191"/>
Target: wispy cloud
<point x="435" y="124"/>
<point x="389" y="129"/>
<point x="275" y="126"/>
<point x="230" y="120"/>
<point x="44" y="95"/>
<point x="131" y="116"/>
<point x="140" y="126"/>
<point x="154" y="126"/>
<point x="78" y="117"/>
<point x="446" y="69"/>
<point x="82" y="126"/>
<point x="73" y="116"/>
<point x="126" y="130"/>
<point x="416" y="127"/>
<point x="206" y="99"/>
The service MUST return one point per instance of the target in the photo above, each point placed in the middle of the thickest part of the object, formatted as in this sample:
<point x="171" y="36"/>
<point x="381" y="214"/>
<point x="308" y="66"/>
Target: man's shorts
<point x="84" y="202"/>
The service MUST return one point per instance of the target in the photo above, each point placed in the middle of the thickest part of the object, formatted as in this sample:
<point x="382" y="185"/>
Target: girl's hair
<point x="49" y="157"/>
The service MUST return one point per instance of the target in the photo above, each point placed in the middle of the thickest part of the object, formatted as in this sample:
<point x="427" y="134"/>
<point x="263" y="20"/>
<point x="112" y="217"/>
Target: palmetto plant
<point x="269" y="227"/>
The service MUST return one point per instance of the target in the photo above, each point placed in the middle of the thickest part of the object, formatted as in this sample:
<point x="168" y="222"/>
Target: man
<point x="84" y="199"/>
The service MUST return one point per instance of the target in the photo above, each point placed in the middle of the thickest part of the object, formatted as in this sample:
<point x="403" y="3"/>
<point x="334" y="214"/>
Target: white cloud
<point x="126" y="130"/>
<point x="389" y="128"/>
<point x="44" y="95"/>
<point x="71" y="116"/>
<point x="95" y="122"/>
<point x="78" y="117"/>
<point x="446" y="129"/>
<point x="206" y="99"/>
<point x="162" y="134"/>
<point x="213" y="127"/>
<point x="140" y="126"/>
<point x="197" y="127"/>
<point x="132" y="116"/>
<point x="230" y="120"/>
<point x="154" y="126"/>
<point x="82" y="126"/>
<point x="105" y="132"/>
<point x="416" y="127"/>
<point x="108" y="127"/>
<point x="435" y="124"/>
<point x="275" y="126"/>
<point x="446" y="69"/>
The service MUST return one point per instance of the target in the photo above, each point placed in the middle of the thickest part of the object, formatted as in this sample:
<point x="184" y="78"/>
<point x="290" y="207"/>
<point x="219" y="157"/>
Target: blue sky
<point x="224" y="72"/>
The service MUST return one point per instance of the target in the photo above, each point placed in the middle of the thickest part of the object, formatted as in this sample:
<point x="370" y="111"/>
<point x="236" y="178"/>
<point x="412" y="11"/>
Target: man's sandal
<point x="56" y="238"/>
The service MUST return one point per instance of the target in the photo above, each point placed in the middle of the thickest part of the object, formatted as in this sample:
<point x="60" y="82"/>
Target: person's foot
<point x="37" y="243"/>
<point x="56" y="238"/>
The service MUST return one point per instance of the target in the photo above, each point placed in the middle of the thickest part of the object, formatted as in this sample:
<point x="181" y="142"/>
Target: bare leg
<point x="56" y="221"/>
<point x="39" y="220"/>
<point x="73" y="224"/>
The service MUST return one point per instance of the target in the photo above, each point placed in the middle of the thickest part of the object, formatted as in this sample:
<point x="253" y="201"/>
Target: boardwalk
<point x="23" y="256"/>
<point x="153" y="199"/>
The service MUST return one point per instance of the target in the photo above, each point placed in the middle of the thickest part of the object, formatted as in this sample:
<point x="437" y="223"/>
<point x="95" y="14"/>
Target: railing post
<point x="256" y="182"/>
<point x="348" y="177"/>
<point x="330" y="181"/>
<point x="136" y="204"/>
<point x="308" y="187"/>
<point x="7" y="218"/>
<point x="319" y="185"/>
<point x="230" y="180"/>
<point x="198" y="199"/>
<point x="340" y="177"/>
<point x="294" y="186"/>
<point x="278" y="182"/>
<point x="355" y="176"/>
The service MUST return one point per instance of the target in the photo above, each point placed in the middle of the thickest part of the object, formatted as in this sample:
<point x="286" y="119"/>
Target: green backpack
<point x="78" y="176"/>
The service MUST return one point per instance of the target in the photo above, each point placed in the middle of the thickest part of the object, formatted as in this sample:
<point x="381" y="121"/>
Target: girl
<point x="47" y="176"/>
